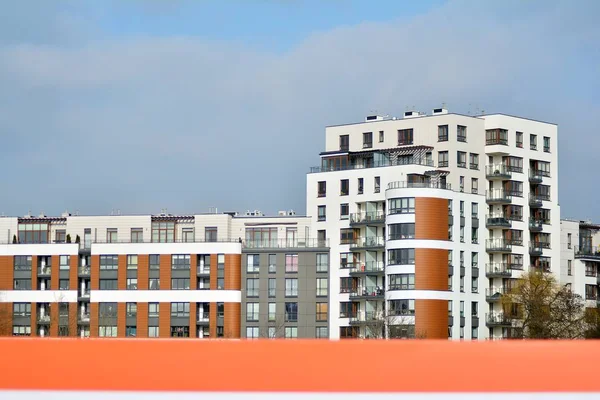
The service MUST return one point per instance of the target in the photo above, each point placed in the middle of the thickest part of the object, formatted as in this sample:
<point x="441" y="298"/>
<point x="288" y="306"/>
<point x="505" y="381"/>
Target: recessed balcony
<point x="498" y="196"/>
<point x="498" y="246"/>
<point x="367" y="218"/>
<point x="497" y="172"/>
<point x="497" y="221"/>
<point x="498" y="270"/>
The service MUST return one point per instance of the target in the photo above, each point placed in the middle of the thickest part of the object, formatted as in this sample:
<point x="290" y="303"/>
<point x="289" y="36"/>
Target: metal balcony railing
<point x="590" y="252"/>
<point x="497" y="221"/>
<point x="498" y="270"/>
<point x="500" y="245"/>
<point x="495" y="293"/>
<point x="368" y="242"/>
<point x="418" y="185"/>
<point x="44" y="271"/>
<point x="373" y="266"/>
<point x="498" y="319"/>
<point x="498" y="196"/>
<point x="375" y="217"/>
<point x="499" y="171"/>
<point x="367" y="291"/>
<point x="388" y="163"/>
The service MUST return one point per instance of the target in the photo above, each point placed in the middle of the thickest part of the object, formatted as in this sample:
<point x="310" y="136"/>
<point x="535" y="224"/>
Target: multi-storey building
<point x="580" y="259"/>
<point x="430" y="220"/>
<point x="151" y="276"/>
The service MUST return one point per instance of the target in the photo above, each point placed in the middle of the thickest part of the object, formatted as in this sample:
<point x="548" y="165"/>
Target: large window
<point x="272" y="311"/>
<point x="405" y="136"/>
<point x="132" y="261"/>
<point x="404" y="205"/>
<point x="107" y="310"/>
<point x="112" y="235"/>
<point x="513" y="164"/>
<point x="180" y="283"/>
<point x="322" y="262"/>
<point x="154" y="261"/>
<point x="252" y="332"/>
<point x="496" y="136"/>
<point x="401" y="307"/>
<point x="402" y="282"/>
<point x="153" y="331"/>
<point x="519" y="141"/>
<point x="65" y="262"/>
<point x="401" y="231"/>
<point x="261" y="237"/>
<point x="153" y="310"/>
<point x="252" y="311"/>
<point x="291" y="332"/>
<point x="137" y="235"/>
<point x="154" y="283"/>
<point x="210" y="234"/>
<point x="291" y="287"/>
<point x="180" y="261"/>
<point x="344" y="187"/>
<point x="22" y="263"/>
<point x="321" y="332"/>
<point x="473" y="161"/>
<point x="163" y="232"/>
<point x="442" y="133"/>
<point x="188" y="235"/>
<point x="401" y="256"/>
<point x="322" y="287"/>
<point x="344" y="142"/>
<point x="22" y="330"/>
<point x="442" y="159"/>
<point x="321" y="213"/>
<point x="108" y="284"/>
<point x="367" y="140"/>
<point x="461" y="133"/>
<point x="180" y="331"/>
<point x="252" y="287"/>
<point x="514" y="188"/>
<point x="546" y="144"/>
<point x="107" y="331"/>
<point x="291" y="312"/>
<point x="272" y="287"/>
<point x="322" y="311"/>
<point x="180" y="309"/>
<point x="253" y="263"/>
<point x="131" y="309"/>
<point x="322" y="189"/>
<point x="21" y="309"/>
<point x="291" y="263"/>
<point x="109" y="262"/>
<point x="33" y="233"/>
<point x="461" y="159"/>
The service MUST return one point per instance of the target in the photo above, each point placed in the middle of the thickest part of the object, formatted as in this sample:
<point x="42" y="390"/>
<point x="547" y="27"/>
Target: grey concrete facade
<point x="307" y="324"/>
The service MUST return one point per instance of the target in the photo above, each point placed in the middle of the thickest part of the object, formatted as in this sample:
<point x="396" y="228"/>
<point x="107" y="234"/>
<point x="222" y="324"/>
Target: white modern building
<point x="431" y="217"/>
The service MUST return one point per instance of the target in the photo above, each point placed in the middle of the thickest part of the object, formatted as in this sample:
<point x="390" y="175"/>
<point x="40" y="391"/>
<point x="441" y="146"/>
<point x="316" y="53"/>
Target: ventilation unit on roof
<point x="439" y="111"/>
<point x="413" y="114"/>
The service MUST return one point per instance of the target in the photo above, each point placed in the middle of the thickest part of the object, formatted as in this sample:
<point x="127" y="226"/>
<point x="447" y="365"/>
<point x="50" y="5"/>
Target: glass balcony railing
<point x="367" y="217"/>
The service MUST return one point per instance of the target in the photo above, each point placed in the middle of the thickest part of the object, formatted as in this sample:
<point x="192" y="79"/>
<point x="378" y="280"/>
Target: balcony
<point x="202" y="318"/>
<point x="84" y="271"/>
<point x="285" y="243"/>
<point x="44" y="272"/>
<point x="362" y="317"/>
<point x="43" y="319"/>
<point x="415" y="160"/>
<point x="498" y="246"/>
<point x="83" y="296"/>
<point x="493" y="295"/>
<point x="83" y="319"/>
<point x="369" y="243"/>
<point x="498" y="320"/>
<point x="368" y="268"/>
<point x="591" y="253"/>
<point x="540" y="268"/>
<point x="367" y="218"/>
<point x="367" y="292"/>
<point x="535" y="225"/>
<point x="498" y="196"/>
<point x="535" y="176"/>
<point x="498" y="270"/>
<point x="203" y="270"/>
<point x="497" y="221"/>
<point x="418" y="185"/>
<point x="497" y="172"/>
<point x="535" y="201"/>
<point x="537" y="248"/>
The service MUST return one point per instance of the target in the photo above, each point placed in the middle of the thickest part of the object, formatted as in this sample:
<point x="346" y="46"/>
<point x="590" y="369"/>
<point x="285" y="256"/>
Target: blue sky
<point x="144" y="105"/>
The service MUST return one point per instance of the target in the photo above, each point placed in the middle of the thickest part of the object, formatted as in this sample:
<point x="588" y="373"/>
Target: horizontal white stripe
<point x="48" y="249"/>
<point x="399" y="218"/>
<point x="419" y="192"/>
<point x="400" y="269"/>
<point x="419" y="244"/>
<point x="418" y="295"/>
<point x="166" y="248"/>
<point x="38" y="296"/>
<point x="166" y="296"/>
<point x="78" y="395"/>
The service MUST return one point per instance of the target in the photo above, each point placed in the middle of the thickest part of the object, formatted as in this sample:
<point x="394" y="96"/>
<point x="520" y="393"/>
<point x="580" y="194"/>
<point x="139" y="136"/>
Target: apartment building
<point x="580" y="259"/>
<point x="431" y="218"/>
<point x="141" y="275"/>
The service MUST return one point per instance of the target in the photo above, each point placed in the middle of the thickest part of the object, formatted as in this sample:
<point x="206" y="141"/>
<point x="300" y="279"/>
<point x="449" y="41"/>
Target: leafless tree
<point x="275" y="329"/>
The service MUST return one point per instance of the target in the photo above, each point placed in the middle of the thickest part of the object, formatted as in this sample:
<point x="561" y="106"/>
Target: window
<point x="474" y="210"/>
<point x="220" y="331"/>
<point x="321" y="332"/>
<point x="514" y="188"/>
<point x="360" y="185"/>
<point x="107" y="331"/>
<point x="291" y="263"/>
<point x="474" y="285"/>
<point x="442" y="159"/>
<point x="132" y="262"/>
<point x="344" y="187"/>
<point x="322" y="189"/>
<point x="402" y="282"/>
<point x="130" y="331"/>
<point x="252" y="287"/>
<point x="401" y="231"/>
<point x="22" y="263"/>
<point x="474" y="260"/>
<point x="514" y="213"/>
<point x="346" y="236"/>
<point x="442" y="133"/>
<point x="210" y="234"/>
<point x="109" y="262"/>
<point x="533" y="142"/>
<point x="272" y="332"/>
<point x="108" y="284"/>
<point x="568" y="240"/>
<point x="322" y="287"/>
<point x="154" y="284"/>
<point x="291" y="332"/>
<point x="220" y="262"/>
<point x="474" y="185"/>
<point x="137" y="235"/>
<point x="377" y="184"/>
<point x="111" y="235"/>
<point x="367" y="140"/>
<point x="344" y="211"/>
<point x="461" y="133"/>
<point x="291" y="287"/>
<point x="188" y="235"/>
<point x="264" y="237"/>
<point x="569" y="268"/>
<point x="131" y="309"/>
<point x="272" y="287"/>
<point x="496" y="136"/>
<point x="591" y="292"/>
<point x="153" y="331"/>
<point x="461" y="159"/>
<point x="63" y="284"/>
<point x="272" y="311"/>
<point x="474" y="334"/>
<point x="462" y="284"/>
<point x="322" y="262"/>
<point x="252" y="332"/>
<point x="61" y="236"/>
<point x="220" y="283"/>
<point x="180" y="309"/>
<point x="153" y="310"/>
<point x="461" y="183"/>
<point x="291" y="312"/>
<point x="33" y="233"/>
<point x="21" y="330"/>
<point x="450" y="282"/>
<point x="322" y="310"/>
<point x="21" y="309"/>
<point x="403" y="205"/>
<point x="401" y="256"/>
<point x="520" y="139"/>
<point x="401" y="307"/>
<point x="344" y="142"/>
<point x="380" y="136"/>
<point x="405" y="136"/>
<point x="546" y="144"/>
<point x="272" y="263"/>
<point x="163" y="232"/>
<point x="108" y="310"/>
<point x="474" y="161"/>
<point x="590" y="269"/>
<point x="154" y="261"/>
<point x="180" y="261"/>
<point x="252" y="311"/>
<point x="253" y="263"/>
<point x="178" y="283"/>
<point x="180" y="331"/>
<point x="474" y="235"/>
<point x="321" y="213"/>
<point x="64" y="262"/>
